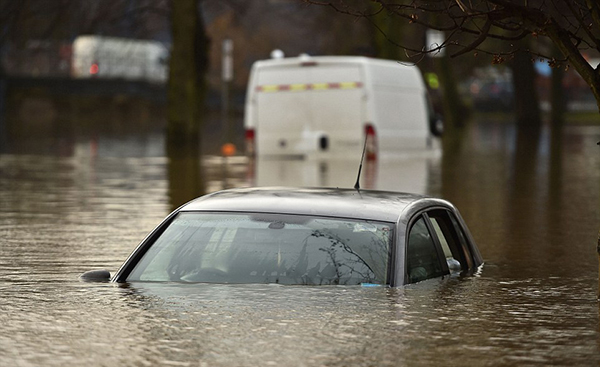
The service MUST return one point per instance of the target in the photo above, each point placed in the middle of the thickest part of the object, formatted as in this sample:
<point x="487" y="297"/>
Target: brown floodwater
<point x="68" y="205"/>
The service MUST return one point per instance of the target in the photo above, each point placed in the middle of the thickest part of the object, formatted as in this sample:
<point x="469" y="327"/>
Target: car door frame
<point x="406" y="222"/>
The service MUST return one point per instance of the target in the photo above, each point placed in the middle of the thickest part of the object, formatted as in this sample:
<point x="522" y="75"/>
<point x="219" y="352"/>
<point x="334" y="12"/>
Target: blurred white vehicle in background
<point x="329" y="105"/>
<point x="119" y="58"/>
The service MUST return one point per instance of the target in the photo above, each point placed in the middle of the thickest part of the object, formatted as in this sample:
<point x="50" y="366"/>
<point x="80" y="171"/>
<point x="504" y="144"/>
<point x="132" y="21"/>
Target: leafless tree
<point x="572" y="26"/>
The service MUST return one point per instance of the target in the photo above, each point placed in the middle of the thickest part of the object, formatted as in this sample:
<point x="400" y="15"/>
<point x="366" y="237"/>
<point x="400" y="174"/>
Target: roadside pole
<point x="227" y="148"/>
<point x="3" y="95"/>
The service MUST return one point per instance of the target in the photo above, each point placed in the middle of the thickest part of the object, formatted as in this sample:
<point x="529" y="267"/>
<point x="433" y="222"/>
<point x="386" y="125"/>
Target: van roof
<point x="377" y="71"/>
<point x="304" y="59"/>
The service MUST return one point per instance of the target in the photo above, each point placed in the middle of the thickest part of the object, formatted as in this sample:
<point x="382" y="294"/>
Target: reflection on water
<point x="533" y="209"/>
<point x="408" y="173"/>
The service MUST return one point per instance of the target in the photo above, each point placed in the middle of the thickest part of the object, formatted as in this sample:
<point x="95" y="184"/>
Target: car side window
<point x="422" y="259"/>
<point x="454" y="264"/>
<point x="451" y="240"/>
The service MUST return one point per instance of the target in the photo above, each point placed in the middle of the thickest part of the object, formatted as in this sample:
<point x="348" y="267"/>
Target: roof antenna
<point x="357" y="184"/>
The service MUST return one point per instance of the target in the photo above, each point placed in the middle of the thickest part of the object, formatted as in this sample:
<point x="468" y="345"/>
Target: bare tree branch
<point x="479" y="40"/>
<point x="594" y="9"/>
<point x="572" y="25"/>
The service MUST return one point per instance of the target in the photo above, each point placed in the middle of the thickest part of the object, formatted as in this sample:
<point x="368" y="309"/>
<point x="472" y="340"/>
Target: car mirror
<point x="95" y="276"/>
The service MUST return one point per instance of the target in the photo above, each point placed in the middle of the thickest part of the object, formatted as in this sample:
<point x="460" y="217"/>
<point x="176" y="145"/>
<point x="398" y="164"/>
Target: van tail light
<point x="371" y="142"/>
<point x="94" y="69"/>
<point x="250" y="142"/>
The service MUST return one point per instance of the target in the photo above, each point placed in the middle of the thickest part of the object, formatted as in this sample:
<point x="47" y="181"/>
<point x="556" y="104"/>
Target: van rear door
<point x="308" y="108"/>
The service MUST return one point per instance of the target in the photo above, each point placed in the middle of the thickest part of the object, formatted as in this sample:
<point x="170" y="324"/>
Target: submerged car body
<point x="305" y="236"/>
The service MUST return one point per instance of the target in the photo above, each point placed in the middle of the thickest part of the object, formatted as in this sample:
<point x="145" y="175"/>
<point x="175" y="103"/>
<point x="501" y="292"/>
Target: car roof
<point x="384" y="206"/>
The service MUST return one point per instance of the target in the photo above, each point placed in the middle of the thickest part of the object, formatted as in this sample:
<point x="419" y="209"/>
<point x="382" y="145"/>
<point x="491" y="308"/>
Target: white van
<point x="119" y="58"/>
<point x="330" y="104"/>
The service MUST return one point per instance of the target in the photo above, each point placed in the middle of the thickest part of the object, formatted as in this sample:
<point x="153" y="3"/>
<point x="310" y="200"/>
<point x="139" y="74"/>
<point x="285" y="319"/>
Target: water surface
<point x="534" y="210"/>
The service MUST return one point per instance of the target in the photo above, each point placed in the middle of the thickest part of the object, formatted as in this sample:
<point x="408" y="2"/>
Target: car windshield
<point x="268" y="248"/>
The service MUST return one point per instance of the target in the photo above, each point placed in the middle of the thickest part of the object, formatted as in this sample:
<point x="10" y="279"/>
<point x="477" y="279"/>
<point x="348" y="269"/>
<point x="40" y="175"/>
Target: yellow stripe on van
<point x="269" y="88"/>
<point x="349" y="85"/>
<point x="320" y="86"/>
<point x="298" y="87"/>
<point x="303" y="87"/>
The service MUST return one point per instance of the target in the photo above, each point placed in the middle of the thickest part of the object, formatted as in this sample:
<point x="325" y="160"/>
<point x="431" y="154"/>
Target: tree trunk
<point x="201" y="47"/>
<point x="591" y="75"/>
<point x="3" y="94"/>
<point x="185" y="95"/>
<point x="455" y="111"/>
<point x="185" y="179"/>
<point x="183" y="90"/>
<point x="527" y="110"/>
<point x="386" y="33"/>
<point x="558" y="99"/>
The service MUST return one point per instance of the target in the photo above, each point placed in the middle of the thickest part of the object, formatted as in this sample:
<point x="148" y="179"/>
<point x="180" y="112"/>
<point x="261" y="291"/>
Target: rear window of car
<point x="268" y="248"/>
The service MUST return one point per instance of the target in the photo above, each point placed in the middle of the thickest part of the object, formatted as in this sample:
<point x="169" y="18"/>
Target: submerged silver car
<point x="304" y="237"/>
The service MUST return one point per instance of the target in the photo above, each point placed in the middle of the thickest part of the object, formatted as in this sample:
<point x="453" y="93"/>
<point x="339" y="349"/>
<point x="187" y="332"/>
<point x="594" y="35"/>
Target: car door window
<point x="454" y="264"/>
<point x="451" y="239"/>
<point x="422" y="258"/>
